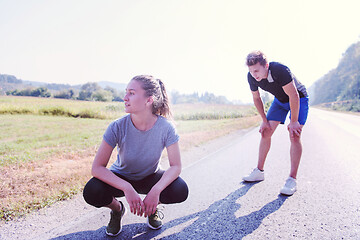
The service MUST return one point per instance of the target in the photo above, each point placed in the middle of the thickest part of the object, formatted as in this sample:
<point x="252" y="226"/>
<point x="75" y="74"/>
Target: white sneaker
<point x="255" y="176"/>
<point x="289" y="187"/>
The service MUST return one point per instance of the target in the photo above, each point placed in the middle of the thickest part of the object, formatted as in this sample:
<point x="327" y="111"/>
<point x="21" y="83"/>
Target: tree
<point x="102" y="95"/>
<point x="118" y="96"/>
<point x="66" y="94"/>
<point x="265" y="96"/>
<point x="177" y="98"/>
<point x="87" y="90"/>
<point x="40" y="92"/>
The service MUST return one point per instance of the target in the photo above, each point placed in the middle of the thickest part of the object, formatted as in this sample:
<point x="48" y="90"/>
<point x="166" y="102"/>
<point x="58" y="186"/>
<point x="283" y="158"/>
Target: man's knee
<point x="267" y="134"/>
<point x="295" y="139"/>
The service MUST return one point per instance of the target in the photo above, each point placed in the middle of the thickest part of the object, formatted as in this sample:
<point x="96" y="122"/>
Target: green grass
<point x="31" y="138"/>
<point x="46" y="153"/>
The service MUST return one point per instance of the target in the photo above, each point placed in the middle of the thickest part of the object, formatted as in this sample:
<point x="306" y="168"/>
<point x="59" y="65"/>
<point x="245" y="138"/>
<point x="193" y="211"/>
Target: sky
<point x="192" y="45"/>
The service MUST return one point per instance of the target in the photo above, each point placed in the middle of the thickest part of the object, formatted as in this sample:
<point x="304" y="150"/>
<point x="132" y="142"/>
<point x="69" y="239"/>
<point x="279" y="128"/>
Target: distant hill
<point x="341" y="84"/>
<point x="10" y="83"/>
<point x="117" y="86"/>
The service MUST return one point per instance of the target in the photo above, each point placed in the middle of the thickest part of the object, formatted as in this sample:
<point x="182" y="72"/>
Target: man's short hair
<point x="256" y="57"/>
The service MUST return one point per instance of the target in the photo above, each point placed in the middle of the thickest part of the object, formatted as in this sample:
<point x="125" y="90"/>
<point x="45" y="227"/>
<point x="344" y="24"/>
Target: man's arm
<point x="294" y="100"/>
<point x="259" y="104"/>
<point x="260" y="108"/>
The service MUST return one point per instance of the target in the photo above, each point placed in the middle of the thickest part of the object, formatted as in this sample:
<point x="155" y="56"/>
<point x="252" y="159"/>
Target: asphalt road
<point x="221" y="206"/>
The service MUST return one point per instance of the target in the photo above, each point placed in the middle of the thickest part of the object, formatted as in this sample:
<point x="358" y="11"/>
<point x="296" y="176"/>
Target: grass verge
<point x="45" y="159"/>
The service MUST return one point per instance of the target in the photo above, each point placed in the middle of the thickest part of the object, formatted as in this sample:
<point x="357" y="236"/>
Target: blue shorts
<point x="279" y="110"/>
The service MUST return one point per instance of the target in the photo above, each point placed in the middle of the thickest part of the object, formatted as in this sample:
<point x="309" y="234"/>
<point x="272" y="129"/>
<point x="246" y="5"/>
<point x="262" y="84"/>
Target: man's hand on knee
<point x="294" y="129"/>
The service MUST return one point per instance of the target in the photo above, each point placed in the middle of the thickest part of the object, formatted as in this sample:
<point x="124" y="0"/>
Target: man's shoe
<point x="154" y="220"/>
<point x="289" y="187"/>
<point x="114" y="227"/>
<point x="255" y="176"/>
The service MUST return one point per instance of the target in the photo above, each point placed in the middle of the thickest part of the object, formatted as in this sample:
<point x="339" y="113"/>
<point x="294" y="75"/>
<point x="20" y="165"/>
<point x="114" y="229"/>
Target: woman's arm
<point x="152" y="199"/>
<point x="100" y="171"/>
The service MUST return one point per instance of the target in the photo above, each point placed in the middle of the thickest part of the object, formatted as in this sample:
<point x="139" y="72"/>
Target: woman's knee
<point x="95" y="193"/>
<point x="176" y="192"/>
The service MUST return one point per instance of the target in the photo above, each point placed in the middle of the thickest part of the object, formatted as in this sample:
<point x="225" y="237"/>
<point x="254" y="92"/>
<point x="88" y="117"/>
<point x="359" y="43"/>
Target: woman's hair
<point x="156" y="88"/>
<point x="256" y="57"/>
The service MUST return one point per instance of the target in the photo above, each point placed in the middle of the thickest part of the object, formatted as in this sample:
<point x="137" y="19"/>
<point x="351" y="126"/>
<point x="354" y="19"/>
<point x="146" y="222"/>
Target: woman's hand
<point x="151" y="201"/>
<point x="136" y="204"/>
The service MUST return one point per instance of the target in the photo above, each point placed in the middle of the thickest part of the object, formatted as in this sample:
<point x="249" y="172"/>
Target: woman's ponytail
<point x="164" y="108"/>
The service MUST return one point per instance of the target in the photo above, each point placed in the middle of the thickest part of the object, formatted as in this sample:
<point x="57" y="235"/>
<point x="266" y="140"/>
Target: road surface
<point x="221" y="206"/>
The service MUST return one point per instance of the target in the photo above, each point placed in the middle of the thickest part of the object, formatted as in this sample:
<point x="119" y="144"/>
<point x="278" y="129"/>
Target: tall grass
<point x="112" y="110"/>
<point x="211" y="111"/>
<point x="60" y="107"/>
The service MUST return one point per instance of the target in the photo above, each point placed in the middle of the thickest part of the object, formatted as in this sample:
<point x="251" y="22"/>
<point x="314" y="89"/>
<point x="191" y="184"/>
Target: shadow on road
<point x="216" y="222"/>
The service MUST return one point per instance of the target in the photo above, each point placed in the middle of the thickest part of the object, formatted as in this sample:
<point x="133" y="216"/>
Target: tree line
<point x="87" y="92"/>
<point x="94" y="92"/>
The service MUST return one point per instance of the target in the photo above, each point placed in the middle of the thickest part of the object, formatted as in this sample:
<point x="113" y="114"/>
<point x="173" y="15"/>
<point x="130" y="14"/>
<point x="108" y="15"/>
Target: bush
<point x="15" y="111"/>
<point x="89" y="114"/>
<point x="55" y="111"/>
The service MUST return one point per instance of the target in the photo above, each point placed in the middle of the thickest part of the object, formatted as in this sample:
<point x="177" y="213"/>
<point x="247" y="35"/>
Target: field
<point x="47" y="145"/>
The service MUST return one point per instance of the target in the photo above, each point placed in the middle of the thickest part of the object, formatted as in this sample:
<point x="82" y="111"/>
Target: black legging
<point x="99" y="194"/>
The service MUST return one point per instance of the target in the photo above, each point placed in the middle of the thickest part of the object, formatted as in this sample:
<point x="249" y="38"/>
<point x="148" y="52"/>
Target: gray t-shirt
<point x="139" y="152"/>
